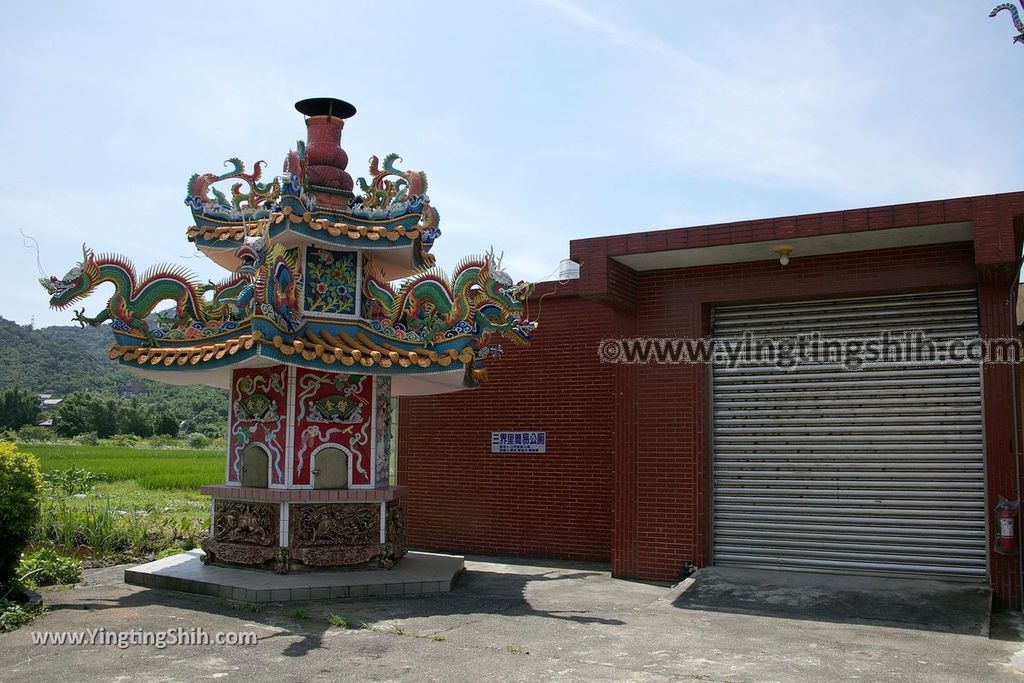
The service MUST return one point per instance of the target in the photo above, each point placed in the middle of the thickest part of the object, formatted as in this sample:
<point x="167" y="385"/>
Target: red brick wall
<point x="558" y="504"/>
<point x="626" y="475"/>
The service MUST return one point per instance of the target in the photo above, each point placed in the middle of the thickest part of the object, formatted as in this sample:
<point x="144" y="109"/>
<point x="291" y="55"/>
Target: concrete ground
<point x="517" y="622"/>
<point x="953" y="607"/>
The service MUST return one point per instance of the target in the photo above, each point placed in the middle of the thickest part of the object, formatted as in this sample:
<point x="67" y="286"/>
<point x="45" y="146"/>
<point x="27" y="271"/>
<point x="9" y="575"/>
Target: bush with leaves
<point x="33" y="433"/>
<point x="71" y="481"/>
<point x="88" y="439"/>
<point x="46" y="568"/>
<point x="163" y="441"/>
<point x="124" y="441"/>
<point x="13" y="615"/>
<point x="20" y="486"/>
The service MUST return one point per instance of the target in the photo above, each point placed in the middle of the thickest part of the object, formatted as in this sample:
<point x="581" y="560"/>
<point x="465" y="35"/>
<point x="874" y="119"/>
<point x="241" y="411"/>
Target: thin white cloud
<point x="778" y="110"/>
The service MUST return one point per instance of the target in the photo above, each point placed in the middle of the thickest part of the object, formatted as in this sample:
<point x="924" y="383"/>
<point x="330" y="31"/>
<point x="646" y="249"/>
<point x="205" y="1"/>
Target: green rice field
<point x="146" y="500"/>
<point x="159" y="469"/>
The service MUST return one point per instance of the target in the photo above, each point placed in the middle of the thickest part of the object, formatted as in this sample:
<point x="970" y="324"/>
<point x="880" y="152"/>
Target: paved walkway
<point x="502" y="622"/>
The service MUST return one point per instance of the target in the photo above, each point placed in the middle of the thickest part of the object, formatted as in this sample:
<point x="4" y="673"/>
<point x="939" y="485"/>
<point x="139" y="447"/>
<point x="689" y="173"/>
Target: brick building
<point x="893" y="470"/>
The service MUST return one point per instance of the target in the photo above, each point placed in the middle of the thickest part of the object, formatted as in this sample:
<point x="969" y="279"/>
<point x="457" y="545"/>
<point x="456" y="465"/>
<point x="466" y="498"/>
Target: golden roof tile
<point x="343" y="349"/>
<point x="334" y="229"/>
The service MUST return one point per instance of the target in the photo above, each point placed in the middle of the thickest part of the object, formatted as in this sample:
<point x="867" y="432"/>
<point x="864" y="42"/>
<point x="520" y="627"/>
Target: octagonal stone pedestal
<point x="417" y="574"/>
<point x="291" y="529"/>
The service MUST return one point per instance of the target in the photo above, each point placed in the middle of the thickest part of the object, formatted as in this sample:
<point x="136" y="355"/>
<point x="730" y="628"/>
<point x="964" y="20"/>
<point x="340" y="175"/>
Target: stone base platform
<point x="416" y="574"/>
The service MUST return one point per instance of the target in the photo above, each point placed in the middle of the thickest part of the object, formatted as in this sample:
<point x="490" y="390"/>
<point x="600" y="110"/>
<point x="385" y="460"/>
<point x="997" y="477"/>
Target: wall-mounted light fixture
<point x="783" y="250"/>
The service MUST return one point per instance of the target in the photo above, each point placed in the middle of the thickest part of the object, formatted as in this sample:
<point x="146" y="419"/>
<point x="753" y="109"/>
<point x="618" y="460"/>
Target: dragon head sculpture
<point x="500" y="304"/>
<point x="76" y="285"/>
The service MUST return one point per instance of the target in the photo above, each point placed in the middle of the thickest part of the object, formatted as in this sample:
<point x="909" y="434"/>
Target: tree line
<point x="106" y="416"/>
<point x="87" y="411"/>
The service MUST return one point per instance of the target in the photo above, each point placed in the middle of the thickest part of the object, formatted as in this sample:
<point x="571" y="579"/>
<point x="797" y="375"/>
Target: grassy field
<point x="147" y="501"/>
<point x="161" y="469"/>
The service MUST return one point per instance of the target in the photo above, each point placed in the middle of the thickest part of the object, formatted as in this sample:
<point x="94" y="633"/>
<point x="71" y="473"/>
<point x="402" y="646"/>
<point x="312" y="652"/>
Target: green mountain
<point x="63" y="359"/>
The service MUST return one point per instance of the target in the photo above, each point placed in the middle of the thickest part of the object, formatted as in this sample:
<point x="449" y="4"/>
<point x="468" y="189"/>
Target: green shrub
<point x="197" y="440"/>
<point x="71" y="481"/>
<point x="124" y="440"/>
<point x="87" y="439"/>
<point x="8" y="435"/>
<point x="163" y="441"/>
<point x="20" y="486"/>
<point x="215" y="431"/>
<point x="13" y="615"/>
<point x="35" y="434"/>
<point x="167" y="552"/>
<point x="46" y="568"/>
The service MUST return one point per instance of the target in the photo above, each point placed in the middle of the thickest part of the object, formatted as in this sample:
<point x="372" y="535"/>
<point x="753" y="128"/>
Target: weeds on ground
<point x="100" y="527"/>
<point x="106" y="502"/>
<point x="298" y="612"/>
<point x="439" y="637"/>
<point x="339" y="621"/>
<point x="251" y="607"/>
<point x="116" y="518"/>
<point x="517" y="649"/>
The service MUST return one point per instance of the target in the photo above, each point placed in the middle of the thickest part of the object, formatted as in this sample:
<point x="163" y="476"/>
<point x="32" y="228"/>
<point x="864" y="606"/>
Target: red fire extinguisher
<point x="1006" y="527"/>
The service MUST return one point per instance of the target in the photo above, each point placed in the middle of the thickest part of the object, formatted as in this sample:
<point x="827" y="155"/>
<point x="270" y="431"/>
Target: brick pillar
<point x="1000" y="447"/>
<point x="626" y="456"/>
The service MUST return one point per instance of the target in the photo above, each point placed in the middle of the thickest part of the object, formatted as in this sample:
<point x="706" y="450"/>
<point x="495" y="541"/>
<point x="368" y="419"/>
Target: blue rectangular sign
<point x="519" y="442"/>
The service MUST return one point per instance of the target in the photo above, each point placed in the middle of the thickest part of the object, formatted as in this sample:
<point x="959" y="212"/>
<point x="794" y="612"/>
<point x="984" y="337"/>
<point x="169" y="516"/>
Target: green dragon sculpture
<point x="135" y="299"/>
<point x="382" y="191"/>
<point x="479" y="299"/>
<point x="257" y="197"/>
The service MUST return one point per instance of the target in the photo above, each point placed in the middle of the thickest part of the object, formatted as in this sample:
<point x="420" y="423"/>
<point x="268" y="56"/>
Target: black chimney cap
<point x="325" y="106"/>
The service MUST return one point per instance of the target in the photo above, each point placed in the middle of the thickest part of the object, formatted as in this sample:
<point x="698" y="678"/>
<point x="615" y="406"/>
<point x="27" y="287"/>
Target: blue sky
<point x="536" y="121"/>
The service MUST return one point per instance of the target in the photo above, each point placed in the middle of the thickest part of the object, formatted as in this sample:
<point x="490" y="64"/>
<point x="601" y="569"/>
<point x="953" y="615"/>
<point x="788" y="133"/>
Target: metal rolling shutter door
<point x="875" y="471"/>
